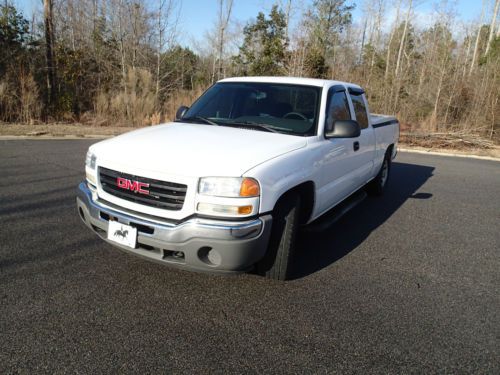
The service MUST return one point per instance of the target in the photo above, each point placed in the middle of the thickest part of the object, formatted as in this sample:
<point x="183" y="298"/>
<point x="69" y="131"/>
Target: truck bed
<point x="381" y="120"/>
<point x="386" y="133"/>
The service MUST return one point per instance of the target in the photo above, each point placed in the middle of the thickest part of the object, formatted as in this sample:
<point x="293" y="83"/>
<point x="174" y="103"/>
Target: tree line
<point x="118" y="62"/>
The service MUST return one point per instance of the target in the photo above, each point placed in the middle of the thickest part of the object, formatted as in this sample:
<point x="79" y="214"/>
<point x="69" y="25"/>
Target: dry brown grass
<point x="183" y="97"/>
<point x="29" y="98"/>
<point x="134" y="105"/>
<point x="455" y="140"/>
<point x="7" y="101"/>
<point x="457" y="143"/>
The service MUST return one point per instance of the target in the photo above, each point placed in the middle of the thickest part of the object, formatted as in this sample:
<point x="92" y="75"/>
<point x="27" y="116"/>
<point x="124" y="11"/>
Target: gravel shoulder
<point x="52" y="131"/>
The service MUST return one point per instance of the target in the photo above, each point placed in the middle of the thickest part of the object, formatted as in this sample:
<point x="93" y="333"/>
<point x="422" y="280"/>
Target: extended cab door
<point x="363" y="157"/>
<point x="338" y="166"/>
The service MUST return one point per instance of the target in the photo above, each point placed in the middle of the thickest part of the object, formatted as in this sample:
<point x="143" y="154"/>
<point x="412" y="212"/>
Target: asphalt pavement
<point x="406" y="283"/>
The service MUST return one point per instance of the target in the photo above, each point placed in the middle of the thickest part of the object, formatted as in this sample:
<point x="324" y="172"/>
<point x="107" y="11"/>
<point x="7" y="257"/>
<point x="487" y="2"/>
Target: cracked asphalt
<point x="406" y="283"/>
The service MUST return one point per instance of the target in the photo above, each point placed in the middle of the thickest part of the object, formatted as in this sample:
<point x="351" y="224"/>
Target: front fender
<point x="283" y="173"/>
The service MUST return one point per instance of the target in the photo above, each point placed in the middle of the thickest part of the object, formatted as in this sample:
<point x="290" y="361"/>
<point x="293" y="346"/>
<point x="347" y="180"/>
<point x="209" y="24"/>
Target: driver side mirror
<point x="181" y="112"/>
<point x="344" y="129"/>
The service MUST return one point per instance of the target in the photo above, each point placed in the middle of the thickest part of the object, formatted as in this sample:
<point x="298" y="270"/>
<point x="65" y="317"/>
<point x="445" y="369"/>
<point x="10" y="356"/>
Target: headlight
<point x="90" y="168"/>
<point x="230" y="187"/>
<point x="90" y="160"/>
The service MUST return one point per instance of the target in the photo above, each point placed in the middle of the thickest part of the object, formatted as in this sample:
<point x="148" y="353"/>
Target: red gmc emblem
<point x="135" y="186"/>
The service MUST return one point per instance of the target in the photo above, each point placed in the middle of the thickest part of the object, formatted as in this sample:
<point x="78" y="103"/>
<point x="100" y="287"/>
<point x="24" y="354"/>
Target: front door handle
<point x="355" y="146"/>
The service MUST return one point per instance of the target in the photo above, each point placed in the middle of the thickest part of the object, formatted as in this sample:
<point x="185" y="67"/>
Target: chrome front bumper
<point x="198" y="244"/>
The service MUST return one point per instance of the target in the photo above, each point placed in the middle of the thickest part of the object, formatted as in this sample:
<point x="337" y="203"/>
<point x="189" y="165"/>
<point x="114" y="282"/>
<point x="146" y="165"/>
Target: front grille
<point x="162" y="194"/>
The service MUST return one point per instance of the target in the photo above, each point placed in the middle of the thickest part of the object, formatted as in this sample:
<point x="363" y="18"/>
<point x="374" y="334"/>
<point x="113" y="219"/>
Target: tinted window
<point x="338" y="109"/>
<point x="360" y="110"/>
<point x="214" y="104"/>
<point x="291" y="109"/>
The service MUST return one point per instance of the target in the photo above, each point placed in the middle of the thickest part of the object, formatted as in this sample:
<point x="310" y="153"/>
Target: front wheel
<point x="378" y="184"/>
<point x="278" y="262"/>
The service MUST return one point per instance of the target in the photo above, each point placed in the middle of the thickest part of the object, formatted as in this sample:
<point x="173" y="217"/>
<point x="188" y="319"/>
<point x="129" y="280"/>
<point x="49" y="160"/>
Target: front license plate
<point x="122" y="234"/>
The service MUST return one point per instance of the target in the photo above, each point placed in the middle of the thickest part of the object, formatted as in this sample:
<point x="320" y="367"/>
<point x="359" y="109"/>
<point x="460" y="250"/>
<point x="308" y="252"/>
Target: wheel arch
<point x="306" y="191"/>
<point x="390" y="150"/>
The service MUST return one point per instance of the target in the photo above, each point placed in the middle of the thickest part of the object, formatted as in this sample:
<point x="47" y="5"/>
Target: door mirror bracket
<point x="181" y="112"/>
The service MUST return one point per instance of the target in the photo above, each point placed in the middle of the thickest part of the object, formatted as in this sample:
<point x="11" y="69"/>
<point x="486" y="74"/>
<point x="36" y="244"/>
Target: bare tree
<point x="391" y="36"/>
<point x="466" y="58"/>
<point x="403" y="38"/>
<point x="50" y="58"/>
<point x="119" y="61"/>
<point x="287" y="17"/>
<point x="167" y="21"/>
<point x="225" y="9"/>
<point x="375" y="36"/>
<point x="478" y="37"/>
<point x="363" y="39"/>
<point x="492" y="26"/>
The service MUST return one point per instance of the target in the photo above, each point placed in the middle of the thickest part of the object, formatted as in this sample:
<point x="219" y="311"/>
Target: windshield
<point x="284" y="108"/>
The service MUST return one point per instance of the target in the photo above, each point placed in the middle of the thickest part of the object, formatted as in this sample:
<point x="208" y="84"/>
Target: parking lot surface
<point x="406" y="283"/>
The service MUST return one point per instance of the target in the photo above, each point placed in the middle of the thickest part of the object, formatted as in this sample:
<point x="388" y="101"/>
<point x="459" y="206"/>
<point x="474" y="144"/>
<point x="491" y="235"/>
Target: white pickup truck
<point x="226" y="187"/>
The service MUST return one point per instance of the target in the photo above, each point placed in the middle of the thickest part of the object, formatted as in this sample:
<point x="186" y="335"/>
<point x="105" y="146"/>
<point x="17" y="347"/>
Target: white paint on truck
<point x="184" y="152"/>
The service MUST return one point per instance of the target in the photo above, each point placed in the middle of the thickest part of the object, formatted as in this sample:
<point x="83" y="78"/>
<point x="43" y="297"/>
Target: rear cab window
<point x="359" y="106"/>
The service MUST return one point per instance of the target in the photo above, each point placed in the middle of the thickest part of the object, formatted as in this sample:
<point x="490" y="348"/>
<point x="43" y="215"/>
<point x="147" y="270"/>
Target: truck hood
<point x="194" y="150"/>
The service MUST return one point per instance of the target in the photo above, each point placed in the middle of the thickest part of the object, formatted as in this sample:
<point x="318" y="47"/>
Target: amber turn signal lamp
<point x="245" y="210"/>
<point x="249" y="188"/>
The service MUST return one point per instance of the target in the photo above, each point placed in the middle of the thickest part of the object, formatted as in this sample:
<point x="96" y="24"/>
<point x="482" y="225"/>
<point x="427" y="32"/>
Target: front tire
<point x="277" y="264"/>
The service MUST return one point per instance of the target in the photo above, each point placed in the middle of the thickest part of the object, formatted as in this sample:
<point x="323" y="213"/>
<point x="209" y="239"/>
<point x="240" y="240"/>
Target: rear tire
<point x="277" y="264"/>
<point x="377" y="185"/>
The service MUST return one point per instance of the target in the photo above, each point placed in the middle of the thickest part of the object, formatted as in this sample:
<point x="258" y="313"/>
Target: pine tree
<point x="264" y="48"/>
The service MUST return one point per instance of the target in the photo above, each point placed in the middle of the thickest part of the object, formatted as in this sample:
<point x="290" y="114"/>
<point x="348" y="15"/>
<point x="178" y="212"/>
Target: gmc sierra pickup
<point x="226" y="187"/>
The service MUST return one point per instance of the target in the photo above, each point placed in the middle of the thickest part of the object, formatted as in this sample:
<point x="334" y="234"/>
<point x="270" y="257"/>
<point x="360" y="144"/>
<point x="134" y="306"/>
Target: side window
<point x="338" y="109"/>
<point x="360" y="110"/>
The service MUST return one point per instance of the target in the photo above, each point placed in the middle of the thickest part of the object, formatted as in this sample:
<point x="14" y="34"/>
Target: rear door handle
<point x="355" y="146"/>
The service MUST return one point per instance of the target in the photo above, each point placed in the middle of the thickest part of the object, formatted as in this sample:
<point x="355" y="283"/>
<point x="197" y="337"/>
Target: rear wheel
<point x="378" y="184"/>
<point x="278" y="262"/>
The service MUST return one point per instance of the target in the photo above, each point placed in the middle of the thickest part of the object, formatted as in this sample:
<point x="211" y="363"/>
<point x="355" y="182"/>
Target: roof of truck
<point x="291" y="80"/>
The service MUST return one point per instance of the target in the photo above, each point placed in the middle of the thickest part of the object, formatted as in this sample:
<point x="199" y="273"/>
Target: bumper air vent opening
<point x="174" y="256"/>
<point x="98" y="230"/>
<point x="82" y="215"/>
<point x="104" y="215"/>
<point x="143" y="228"/>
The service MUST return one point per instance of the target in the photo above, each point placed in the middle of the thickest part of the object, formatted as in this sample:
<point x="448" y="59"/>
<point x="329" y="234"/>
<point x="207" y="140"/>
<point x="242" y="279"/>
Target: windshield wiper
<point x="198" y="119"/>
<point x="259" y="125"/>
